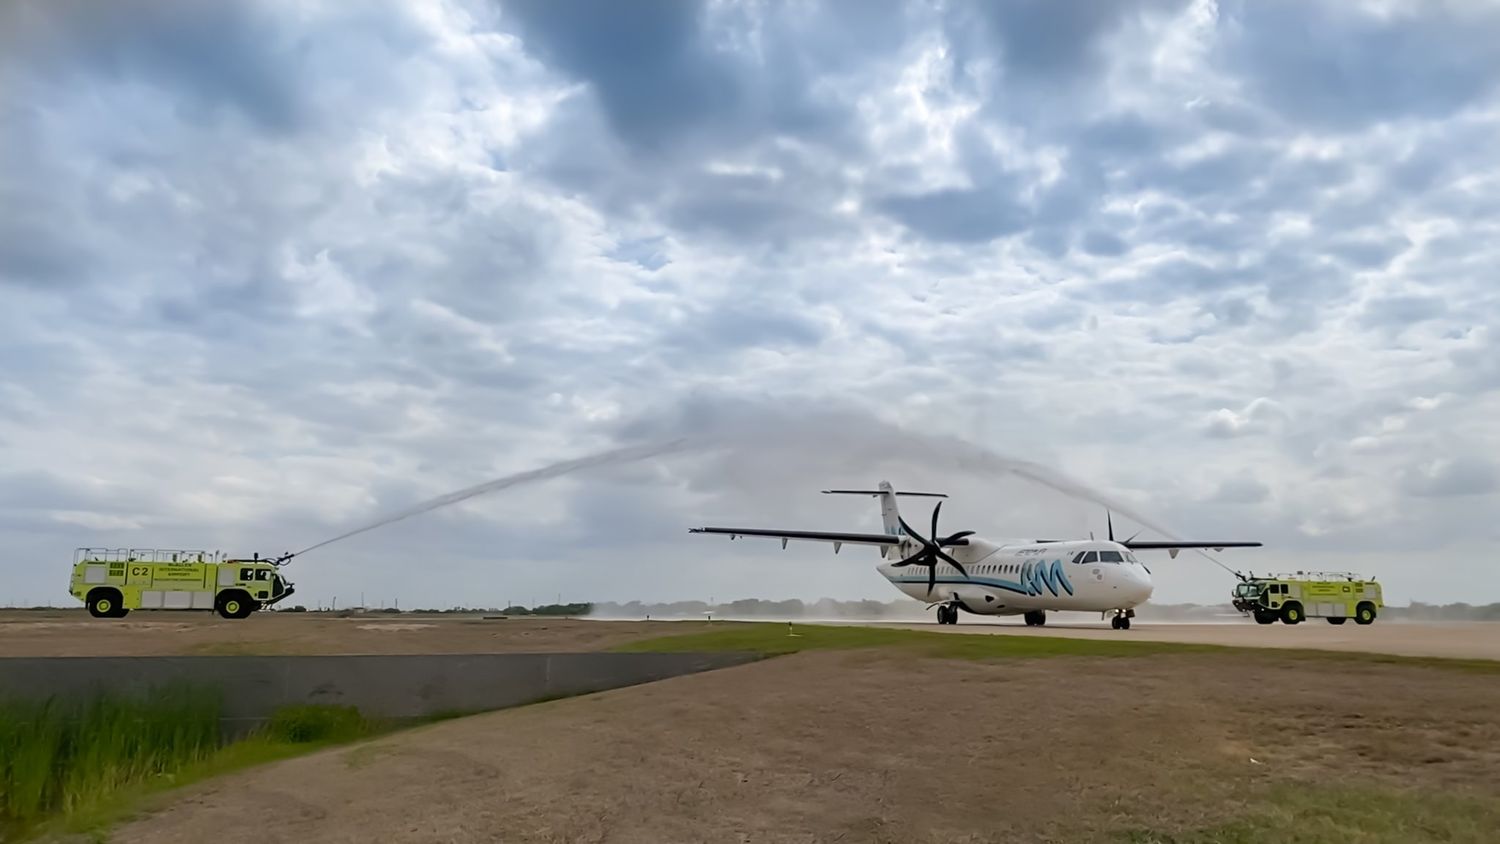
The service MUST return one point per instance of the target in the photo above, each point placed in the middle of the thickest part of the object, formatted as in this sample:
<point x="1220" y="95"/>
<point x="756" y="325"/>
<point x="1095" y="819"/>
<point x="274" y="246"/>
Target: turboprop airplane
<point x="1028" y="578"/>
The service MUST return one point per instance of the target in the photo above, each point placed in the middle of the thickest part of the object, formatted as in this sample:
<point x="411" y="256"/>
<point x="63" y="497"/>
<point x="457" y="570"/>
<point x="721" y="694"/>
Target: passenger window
<point x="1110" y="557"/>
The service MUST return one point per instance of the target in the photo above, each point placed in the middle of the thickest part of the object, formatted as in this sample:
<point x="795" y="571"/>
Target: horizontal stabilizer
<point x="810" y="535"/>
<point x="881" y="491"/>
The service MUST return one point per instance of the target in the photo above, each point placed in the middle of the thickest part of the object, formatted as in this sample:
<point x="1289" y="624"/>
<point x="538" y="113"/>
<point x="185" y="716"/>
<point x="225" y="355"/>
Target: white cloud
<point x="267" y="271"/>
<point x="1452" y="477"/>
<point x="1261" y="415"/>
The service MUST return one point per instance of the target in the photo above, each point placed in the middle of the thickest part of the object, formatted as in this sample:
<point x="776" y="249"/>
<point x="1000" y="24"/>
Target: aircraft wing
<point x="1172" y="548"/>
<point x="880" y="539"/>
<point x="1154" y="545"/>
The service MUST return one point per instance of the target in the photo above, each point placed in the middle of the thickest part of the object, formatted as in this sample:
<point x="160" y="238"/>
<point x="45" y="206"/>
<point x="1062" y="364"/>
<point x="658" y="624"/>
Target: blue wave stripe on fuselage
<point x="970" y="581"/>
<point x="1040" y="574"/>
<point x="1034" y="576"/>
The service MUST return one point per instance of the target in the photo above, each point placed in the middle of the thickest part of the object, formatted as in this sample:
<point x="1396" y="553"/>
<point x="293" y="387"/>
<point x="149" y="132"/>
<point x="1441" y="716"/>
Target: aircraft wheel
<point x="1125" y="622"/>
<point x="1115" y="622"/>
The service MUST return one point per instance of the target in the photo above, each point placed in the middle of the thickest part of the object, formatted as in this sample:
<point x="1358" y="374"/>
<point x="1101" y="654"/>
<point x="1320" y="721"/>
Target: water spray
<point x="964" y="456"/>
<point x="594" y="461"/>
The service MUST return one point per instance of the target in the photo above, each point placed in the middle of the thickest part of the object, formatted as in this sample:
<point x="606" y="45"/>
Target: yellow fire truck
<point x="112" y="582"/>
<point x="1293" y="598"/>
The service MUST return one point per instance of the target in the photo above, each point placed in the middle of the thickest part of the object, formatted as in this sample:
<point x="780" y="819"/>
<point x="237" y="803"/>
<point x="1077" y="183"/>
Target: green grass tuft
<point x="1307" y="814"/>
<point x="59" y="758"/>
<point x="772" y="639"/>
<point x="314" y="723"/>
<point x="75" y="766"/>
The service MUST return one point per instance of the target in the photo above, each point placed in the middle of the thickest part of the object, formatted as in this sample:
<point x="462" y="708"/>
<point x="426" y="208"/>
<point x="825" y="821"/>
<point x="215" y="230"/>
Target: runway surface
<point x="1476" y="640"/>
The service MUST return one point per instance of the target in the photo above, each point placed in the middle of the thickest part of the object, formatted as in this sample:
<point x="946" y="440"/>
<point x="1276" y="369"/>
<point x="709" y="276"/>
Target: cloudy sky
<point x="269" y="270"/>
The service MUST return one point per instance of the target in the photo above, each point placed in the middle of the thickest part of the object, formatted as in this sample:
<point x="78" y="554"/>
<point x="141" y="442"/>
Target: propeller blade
<point x="952" y="538"/>
<point x="931" y="578"/>
<point x="1110" y="520"/>
<point x="952" y="562"/>
<point x="912" y="559"/>
<point x="935" y="511"/>
<point x="906" y="527"/>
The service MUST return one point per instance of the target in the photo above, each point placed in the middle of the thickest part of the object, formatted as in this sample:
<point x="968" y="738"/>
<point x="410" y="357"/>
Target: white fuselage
<point x="1010" y="579"/>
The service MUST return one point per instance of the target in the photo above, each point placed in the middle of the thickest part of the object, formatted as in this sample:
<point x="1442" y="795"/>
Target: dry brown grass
<point x="74" y="633"/>
<point x="877" y="746"/>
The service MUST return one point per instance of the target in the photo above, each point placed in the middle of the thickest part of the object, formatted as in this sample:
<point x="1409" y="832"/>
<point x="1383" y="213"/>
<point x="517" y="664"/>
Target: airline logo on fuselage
<point x="1040" y="574"/>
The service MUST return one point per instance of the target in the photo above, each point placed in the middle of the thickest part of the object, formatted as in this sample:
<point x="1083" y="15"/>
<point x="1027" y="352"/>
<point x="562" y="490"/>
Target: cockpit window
<point x="1110" y="557"/>
<point x="1090" y="557"/>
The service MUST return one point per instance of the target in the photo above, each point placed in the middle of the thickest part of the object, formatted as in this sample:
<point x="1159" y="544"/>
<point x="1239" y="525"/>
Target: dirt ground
<point x="74" y="633"/>
<point x="872" y="746"/>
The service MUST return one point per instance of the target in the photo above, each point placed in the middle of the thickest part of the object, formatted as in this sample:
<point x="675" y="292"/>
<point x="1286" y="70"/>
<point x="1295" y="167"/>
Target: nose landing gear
<point x="1121" y="621"/>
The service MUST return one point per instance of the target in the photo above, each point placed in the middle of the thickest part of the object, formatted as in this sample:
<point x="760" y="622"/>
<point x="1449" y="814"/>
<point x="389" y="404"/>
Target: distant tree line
<point x="830" y="609"/>
<point x="904" y="609"/>
<point x="1418" y="611"/>
<point x="550" y="610"/>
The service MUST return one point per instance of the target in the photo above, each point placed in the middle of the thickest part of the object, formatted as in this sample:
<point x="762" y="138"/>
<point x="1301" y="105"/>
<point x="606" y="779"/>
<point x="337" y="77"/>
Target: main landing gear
<point x="947" y="614"/>
<point x="1121" y="621"/>
<point x="1035" y="618"/>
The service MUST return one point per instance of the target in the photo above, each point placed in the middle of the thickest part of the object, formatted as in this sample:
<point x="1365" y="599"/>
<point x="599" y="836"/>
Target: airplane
<point x="1026" y="577"/>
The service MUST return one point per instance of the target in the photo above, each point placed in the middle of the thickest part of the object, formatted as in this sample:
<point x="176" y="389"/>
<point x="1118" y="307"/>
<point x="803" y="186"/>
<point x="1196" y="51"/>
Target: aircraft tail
<point x="890" y="513"/>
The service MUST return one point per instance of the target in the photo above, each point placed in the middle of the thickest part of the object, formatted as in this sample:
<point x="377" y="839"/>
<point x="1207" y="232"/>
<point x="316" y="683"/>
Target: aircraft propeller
<point x="932" y="550"/>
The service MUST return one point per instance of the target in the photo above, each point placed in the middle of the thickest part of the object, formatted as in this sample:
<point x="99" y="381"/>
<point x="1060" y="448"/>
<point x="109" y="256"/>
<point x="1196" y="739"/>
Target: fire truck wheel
<point x="1364" y="613"/>
<point x="1337" y="620"/>
<point x="1265" y="617"/>
<point x="1291" y="613"/>
<point x="105" y="603"/>
<point x="234" y="605"/>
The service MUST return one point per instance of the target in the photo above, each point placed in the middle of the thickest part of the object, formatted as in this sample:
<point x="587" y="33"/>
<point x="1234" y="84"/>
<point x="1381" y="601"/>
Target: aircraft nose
<point x="1138" y="588"/>
<point x="1132" y="585"/>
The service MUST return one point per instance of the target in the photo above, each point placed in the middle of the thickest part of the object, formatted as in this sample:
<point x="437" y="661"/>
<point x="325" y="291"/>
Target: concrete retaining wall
<point x="397" y="687"/>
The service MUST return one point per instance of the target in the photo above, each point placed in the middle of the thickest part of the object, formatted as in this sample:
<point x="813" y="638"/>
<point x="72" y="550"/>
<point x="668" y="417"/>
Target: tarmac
<point x="1470" y="640"/>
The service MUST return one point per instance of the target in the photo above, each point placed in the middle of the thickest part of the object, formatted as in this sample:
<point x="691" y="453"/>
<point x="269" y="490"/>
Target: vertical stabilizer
<point x="890" y="515"/>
